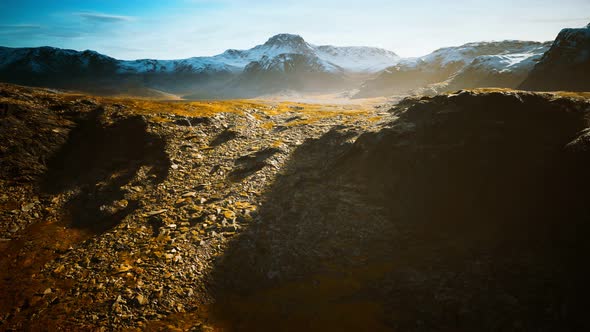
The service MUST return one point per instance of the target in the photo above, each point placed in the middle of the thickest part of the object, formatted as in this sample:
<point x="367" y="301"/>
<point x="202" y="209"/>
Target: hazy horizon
<point x="186" y="28"/>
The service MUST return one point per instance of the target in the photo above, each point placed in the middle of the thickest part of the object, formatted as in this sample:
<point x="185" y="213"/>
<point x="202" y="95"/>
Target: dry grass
<point x="311" y="112"/>
<point x="268" y="125"/>
<point x="191" y="109"/>
<point x="158" y="109"/>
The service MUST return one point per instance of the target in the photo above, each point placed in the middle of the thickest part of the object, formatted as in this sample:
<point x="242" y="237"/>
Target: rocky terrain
<point x="114" y="211"/>
<point x="566" y="64"/>
<point x="456" y="212"/>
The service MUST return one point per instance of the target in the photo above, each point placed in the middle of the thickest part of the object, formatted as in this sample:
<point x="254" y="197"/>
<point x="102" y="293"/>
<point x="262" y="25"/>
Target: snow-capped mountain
<point x="483" y="60"/>
<point x="353" y="59"/>
<point x="565" y="66"/>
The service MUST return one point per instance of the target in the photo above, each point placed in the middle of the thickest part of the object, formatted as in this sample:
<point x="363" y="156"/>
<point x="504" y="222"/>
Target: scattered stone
<point x="28" y="207"/>
<point x="156" y="212"/>
<point x="141" y="300"/>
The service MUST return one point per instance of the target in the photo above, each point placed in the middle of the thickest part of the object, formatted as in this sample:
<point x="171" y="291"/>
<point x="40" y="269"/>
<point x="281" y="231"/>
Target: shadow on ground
<point x="225" y="136"/>
<point x="467" y="214"/>
<point x="250" y="164"/>
<point x="98" y="159"/>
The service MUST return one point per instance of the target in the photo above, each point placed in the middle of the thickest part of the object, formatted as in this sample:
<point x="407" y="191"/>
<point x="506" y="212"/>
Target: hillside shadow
<point x="445" y="221"/>
<point x="224" y="137"/>
<point x="251" y="163"/>
<point x="97" y="160"/>
<point x="305" y="265"/>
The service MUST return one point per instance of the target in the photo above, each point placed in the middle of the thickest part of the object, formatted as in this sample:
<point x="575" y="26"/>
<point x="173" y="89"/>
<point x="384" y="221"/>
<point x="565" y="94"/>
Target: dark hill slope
<point x="467" y="213"/>
<point x="566" y="66"/>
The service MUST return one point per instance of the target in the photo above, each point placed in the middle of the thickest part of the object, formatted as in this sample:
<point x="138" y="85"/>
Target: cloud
<point x="104" y="18"/>
<point x="19" y="27"/>
<point x="64" y="33"/>
<point x="562" y="20"/>
<point x="19" y="30"/>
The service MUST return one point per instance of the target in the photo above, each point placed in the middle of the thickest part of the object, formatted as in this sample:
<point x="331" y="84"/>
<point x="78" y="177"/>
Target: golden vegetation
<point x="268" y="125"/>
<point x="261" y="110"/>
<point x="309" y="113"/>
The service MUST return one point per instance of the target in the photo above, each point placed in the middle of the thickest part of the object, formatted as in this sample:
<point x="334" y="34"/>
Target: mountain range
<point x="283" y="58"/>
<point x="563" y="64"/>
<point x="288" y="62"/>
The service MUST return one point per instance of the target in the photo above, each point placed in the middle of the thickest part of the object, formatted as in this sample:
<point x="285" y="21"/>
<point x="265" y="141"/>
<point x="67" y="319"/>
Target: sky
<point x="176" y="29"/>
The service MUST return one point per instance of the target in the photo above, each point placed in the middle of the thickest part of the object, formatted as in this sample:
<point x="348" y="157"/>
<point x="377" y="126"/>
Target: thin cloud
<point x="19" y="27"/>
<point x="19" y="30"/>
<point x="104" y="18"/>
<point x="65" y="33"/>
<point x="561" y="20"/>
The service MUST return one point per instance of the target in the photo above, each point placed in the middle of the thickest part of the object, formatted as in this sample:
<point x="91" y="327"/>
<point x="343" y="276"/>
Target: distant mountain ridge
<point x="215" y="76"/>
<point x="287" y="62"/>
<point x="369" y="59"/>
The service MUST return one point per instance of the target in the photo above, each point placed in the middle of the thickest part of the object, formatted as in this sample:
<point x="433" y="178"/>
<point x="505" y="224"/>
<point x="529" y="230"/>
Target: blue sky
<point x="172" y="29"/>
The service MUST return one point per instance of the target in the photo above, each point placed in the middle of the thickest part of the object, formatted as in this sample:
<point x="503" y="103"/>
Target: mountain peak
<point x="285" y="39"/>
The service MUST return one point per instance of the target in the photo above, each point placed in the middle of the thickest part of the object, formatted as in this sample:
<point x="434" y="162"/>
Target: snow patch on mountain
<point x="503" y="54"/>
<point x="505" y="63"/>
<point x="502" y="63"/>
<point x="194" y="65"/>
<point x="512" y="62"/>
<point x="358" y="58"/>
<point x="289" y="62"/>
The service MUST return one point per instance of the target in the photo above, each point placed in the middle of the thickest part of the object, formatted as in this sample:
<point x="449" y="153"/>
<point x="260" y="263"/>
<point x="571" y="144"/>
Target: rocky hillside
<point x="107" y="204"/>
<point x="565" y="66"/>
<point x="484" y="64"/>
<point x="507" y="71"/>
<point x="456" y="212"/>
